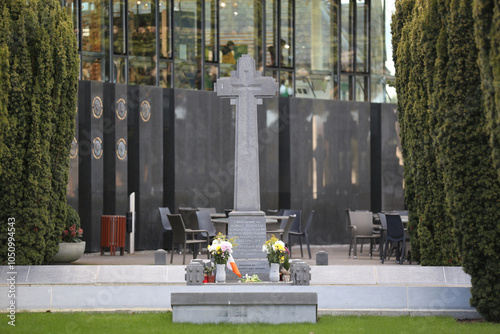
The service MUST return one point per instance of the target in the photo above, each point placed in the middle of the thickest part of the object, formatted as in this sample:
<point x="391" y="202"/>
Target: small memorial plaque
<point x="250" y="233"/>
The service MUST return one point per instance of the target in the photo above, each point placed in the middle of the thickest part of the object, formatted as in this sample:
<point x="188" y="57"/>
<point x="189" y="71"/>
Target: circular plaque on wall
<point x="97" y="148"/>
<point x="97" y="107"/>
<point x="121" y="149"/>
<point x="145" y="111"/>
<point x="74" y="148"/>
<point x="121" y="109"/>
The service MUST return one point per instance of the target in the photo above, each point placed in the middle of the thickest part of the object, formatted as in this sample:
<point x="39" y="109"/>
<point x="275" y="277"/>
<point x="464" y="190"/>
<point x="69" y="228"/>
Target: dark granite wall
<point x="314" y="154"/>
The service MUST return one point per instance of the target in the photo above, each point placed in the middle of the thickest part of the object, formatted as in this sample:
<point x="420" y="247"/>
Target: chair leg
<point x="356" y="248"/>
<point x="300" y="242"/>
<point x="350" y="247"/>
<point x="385" y="251"/>
<point x="172" y="253"/>
<point x="308" y="246"/>
<point x="184" y="254"/>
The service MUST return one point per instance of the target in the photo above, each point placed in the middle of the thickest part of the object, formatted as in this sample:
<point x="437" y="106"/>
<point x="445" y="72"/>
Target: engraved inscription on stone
<point x="145" y="111"/>
<point x="121" y="149"/>
<point x="250" y="235"/>
<point x="97" y="147"/>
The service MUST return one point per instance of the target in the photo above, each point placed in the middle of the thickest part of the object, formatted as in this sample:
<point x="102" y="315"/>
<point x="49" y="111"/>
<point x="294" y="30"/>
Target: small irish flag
<point x="232" y="266"/>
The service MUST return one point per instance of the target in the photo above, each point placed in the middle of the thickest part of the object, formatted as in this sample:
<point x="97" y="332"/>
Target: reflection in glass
<point x="142" y="71"/>
<point x="91" y="68"/>
<point x="238" y="31"/>
<point x="286" y="84"/>
<point x="165" y="74"/>
<point x="210" y="77"/>
<point x="271" y="32"/>
<point x="119" y="27"/>
<point x="187" y="44"/>
<point x="346" y="36"/>
<point x="346" y="87"/>
<point x="286" y="30"/>
<point x="361" y="36"/>
<point x="211" y="30"/>
<point x="72" y="10"/>
<point x="362" y="88"/>
<point x="92" y="21"/>
<point x="165" y="29"/>
<point x="120" y="70"/>
<point x="381" y="63"/>
<point x="142" y="26"/>
<point x="314" y="58"/>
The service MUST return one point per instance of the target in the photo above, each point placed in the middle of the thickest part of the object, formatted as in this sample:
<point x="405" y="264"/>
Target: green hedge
<point x="453" y="191"/>
<point x="416" y="26"/>
<point x="41" y="105"/>
<point x="487" y="34"/>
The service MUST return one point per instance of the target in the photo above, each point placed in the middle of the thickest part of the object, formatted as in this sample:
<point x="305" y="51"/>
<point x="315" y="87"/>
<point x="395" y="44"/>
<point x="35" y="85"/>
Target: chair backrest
<point x="205" y="223"/>
<point x="287" y="227"/>
<point x="164" y="219"/>
<point x="296" y="223"/>
<point x="383" y="220"/>
<point x="209" y="210"/>
<point x="178" y="228"/>
<point x="309" y="222"/>
<point x="363" y="220"/>
<point x="189" y="217"/>
<point x="395" y="228"/>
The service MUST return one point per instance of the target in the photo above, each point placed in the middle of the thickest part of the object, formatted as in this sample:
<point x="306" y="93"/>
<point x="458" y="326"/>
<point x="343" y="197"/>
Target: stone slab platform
<point x="245" y="307"/>
<point x="389" y="290"/>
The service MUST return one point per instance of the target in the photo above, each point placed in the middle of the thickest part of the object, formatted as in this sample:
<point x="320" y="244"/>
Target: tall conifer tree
<point x="40" y="111"/>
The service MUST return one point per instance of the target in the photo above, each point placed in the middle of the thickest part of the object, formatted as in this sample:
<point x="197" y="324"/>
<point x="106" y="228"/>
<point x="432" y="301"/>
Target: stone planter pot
<point x="69" y="252"/>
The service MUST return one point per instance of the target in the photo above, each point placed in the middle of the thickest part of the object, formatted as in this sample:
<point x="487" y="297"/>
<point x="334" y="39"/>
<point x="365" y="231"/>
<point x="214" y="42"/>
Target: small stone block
<point x="301" y="273"/>
<point x="161" y="257"/>
<point x="321" y="258"/>
<point x="194" y="274"/>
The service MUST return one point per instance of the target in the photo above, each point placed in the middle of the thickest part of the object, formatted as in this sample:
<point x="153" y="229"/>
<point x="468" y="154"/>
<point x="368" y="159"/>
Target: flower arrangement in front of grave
<point x="72" y="232"/>
<point x="250" y="279"/>
<point x="276" y="251"/>
<point x="221" y="248"/>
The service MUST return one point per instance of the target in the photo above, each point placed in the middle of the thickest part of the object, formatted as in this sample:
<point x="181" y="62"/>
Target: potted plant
<point x="209" y="273"/>
<point x="221" y="249"/>
<point x="71" y="247"/>
<point x="276" y="254"/>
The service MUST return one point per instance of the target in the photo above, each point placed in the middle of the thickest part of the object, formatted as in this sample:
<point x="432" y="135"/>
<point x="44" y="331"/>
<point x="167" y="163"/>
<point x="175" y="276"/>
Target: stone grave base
<point x="245" y="307"/>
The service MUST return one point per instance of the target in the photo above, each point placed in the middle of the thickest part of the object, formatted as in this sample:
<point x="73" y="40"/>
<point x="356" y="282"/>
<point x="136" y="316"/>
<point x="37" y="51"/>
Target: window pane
<point x="120" y="69"/>
<point x="271" y="32"/>
<point x="142" y="39"/>
<point x="119" y="27"/>
<point x="346" y="87"/>
<point x="346" y="36"/>
<point x="287" y="41"/>
<point x="239" y="27"/>
<point x="165" y="74"/>
<point x="165" y="29"/>
<point x="210" y="77"/>
<point x="142" y="71"/>
<point x="187" y="44"/>
<point x="362" y="36"/>
<point x="381" y="66"/>
<point x="92" y="26"/>
<point x="286" y="84"/>
<point x="92" y="68"/>
<point x="314" y="59"/>
<point x="211" y="30"/>
<point x="362" y="88"/>
<point x="72" y="10"/>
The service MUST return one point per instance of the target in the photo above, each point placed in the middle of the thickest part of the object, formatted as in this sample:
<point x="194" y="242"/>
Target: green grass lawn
<point x="73" y="323"/>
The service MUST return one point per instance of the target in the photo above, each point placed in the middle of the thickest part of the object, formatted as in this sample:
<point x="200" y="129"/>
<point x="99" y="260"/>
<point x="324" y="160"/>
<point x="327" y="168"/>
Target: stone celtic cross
<point x="246" y="88"/>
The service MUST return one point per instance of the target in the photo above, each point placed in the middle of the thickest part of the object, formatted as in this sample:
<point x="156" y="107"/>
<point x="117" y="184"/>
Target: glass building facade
<point x="324" y="49"/>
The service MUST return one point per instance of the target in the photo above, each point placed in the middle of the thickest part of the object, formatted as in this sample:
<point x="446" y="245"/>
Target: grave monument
<point x="246" y="88"/>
